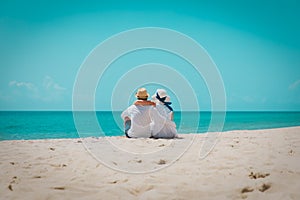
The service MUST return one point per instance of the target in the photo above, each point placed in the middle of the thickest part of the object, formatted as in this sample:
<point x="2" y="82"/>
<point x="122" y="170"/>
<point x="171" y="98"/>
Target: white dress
<point x="161" y="124"/>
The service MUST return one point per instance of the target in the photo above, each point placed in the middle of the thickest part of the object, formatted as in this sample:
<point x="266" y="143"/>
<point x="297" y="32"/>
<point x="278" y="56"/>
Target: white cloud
<point x="27" y="85"/>
<point x="22" y="89"/>
<point x="52" y="91"/>
<point x="50" y="84"/>
<point x="48" y="91"/>
<point x="294" y="85"/>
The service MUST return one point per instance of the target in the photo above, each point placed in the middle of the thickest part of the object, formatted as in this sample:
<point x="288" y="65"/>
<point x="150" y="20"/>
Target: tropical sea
<point x="25" y="125"/>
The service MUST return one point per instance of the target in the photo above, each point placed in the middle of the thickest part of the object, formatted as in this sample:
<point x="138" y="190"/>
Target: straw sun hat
<point x="142" y="93"/>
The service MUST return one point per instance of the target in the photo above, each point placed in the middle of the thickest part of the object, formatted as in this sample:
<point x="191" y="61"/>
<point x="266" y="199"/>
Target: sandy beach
<point x="258" y="164"/>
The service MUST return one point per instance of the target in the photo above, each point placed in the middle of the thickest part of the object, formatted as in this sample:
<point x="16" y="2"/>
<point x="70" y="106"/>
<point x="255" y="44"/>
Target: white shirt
<point x="162" y="126"/>
<point x="140" y="120"/>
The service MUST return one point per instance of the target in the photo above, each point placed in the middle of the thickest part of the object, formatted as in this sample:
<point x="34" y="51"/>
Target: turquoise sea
<point x="18" y="125"/>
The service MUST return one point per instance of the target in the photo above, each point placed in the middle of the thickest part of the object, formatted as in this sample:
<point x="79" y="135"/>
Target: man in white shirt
<point x="137" y="117"/>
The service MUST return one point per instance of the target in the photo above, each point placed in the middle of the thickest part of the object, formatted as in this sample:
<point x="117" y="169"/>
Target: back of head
<point x="142" y="94"/>
<point x="161" y="96"/>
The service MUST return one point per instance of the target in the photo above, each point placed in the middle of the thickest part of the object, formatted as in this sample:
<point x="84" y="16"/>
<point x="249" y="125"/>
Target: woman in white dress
<point x="162" y="124"/>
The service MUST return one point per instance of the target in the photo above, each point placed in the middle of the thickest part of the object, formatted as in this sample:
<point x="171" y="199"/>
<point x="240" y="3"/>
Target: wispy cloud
<point x="48" y="91"/>
<point x="50" y="84"/>
<point x="294" y="85"/>
<point x="52" y="91"/>
<point x="21" y="90"/>
<point x="27" y="85"/>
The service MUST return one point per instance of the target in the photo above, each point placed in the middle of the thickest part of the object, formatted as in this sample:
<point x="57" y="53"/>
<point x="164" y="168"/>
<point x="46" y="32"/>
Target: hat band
<point x="167" y="104"/>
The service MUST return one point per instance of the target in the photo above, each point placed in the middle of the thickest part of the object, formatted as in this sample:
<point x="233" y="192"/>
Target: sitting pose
<point x="137" y="117"/>
<point x="162" y="125"/>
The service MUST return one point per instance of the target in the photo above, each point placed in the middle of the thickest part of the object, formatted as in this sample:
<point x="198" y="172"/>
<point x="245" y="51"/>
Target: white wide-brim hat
<point x="162" y="93"/>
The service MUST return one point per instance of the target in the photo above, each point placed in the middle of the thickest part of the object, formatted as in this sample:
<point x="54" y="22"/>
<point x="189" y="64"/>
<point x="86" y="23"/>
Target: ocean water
<point x="18" y="125"/>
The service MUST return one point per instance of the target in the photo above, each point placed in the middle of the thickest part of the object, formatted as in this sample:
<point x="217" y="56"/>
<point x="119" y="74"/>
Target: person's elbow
<point x="126" y="118"/>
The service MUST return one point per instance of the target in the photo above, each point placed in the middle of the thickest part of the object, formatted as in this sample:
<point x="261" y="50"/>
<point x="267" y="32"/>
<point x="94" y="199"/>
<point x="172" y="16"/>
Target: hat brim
<point x="137" y="96"/>
<point x="167" y="98"/>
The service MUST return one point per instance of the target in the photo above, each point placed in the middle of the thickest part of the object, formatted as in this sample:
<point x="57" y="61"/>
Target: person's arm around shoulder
<point x="144" y="103"/>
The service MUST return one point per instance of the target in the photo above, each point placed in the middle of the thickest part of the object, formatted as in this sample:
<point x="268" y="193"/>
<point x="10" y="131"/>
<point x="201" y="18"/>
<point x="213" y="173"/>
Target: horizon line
<point x="45" y="110"/>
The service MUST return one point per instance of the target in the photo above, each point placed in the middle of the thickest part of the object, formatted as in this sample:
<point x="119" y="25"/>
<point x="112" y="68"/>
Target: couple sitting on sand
<point x="150" y="118"/>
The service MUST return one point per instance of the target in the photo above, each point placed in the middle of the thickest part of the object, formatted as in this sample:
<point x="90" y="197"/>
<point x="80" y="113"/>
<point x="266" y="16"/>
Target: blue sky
<point x="255" y="45"/>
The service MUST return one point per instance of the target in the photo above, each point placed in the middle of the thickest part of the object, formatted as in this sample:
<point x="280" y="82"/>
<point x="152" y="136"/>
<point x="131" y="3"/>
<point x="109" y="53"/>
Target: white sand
<point x="261" y="164"/>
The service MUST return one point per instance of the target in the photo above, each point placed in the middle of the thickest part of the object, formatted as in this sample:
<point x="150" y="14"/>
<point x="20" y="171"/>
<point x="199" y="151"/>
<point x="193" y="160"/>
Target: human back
<point x="162" y="125"/>
<point x="137" y="117"/>
<point x="140" y="121"/>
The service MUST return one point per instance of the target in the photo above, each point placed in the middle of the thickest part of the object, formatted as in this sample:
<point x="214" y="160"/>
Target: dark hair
<point x="145" y="98"/>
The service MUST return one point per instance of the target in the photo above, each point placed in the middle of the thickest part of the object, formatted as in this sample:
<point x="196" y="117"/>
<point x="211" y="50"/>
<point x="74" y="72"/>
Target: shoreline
<point x="180" y="134"/>
<point x="245" y="164"/>
<point x="45" y="125"/>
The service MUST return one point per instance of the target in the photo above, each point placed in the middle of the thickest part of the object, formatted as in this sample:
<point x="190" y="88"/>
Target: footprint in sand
<point x="117" y="181"/>
<point x="27" y="167"/>
<point x="113" y="182"/>
<point x="114" y="163"/>
<point x="58" y="165"/>
<point x="139" y="190"/>
<point x="264" y="187"/>
<point x="161" y="162"/>
<point x="253" y="175"/>
<point x="136" y="161"/>
<point x="291" y="152"/>
<point x="246" y="190"/>
<point x="14" y="180"/>
<point x="10" y="187"/>
<point x="59" y="188"/>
